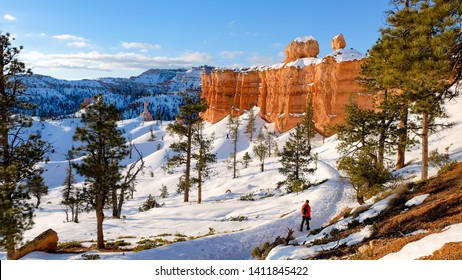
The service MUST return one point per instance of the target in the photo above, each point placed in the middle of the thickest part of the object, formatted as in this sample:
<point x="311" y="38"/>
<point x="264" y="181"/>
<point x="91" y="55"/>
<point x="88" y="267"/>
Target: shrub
<point x="91" y="256"/>
<point x="70" y="244"/>
<point x="247" y="197"/>
<point x="149" y="204"/>
<point x="238" y="219"/>
<point x="164" y="192"/>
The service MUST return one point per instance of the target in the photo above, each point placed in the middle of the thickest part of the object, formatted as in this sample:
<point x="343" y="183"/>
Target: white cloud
<point x="9" y="17"/>
<point x="73" y="40"/>
<point x="231" y="54"/>
<point x="112" y="62"/>
<point x="144" y="47"/>
<point x="257" y="60"/>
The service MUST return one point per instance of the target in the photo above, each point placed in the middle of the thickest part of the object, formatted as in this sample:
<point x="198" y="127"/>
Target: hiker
<point x="306" y="215"/>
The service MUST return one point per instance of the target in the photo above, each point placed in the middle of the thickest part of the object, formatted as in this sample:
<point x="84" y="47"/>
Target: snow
<point x="304" y="39"/>
<point x="416" y="200"/>
<point x="267" y="216"/>
<point x="427" y="245"/>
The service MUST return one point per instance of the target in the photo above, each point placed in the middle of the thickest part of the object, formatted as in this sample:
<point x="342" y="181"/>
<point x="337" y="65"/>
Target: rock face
<point x="47" y="241"/>
<point x="281" y="90"/>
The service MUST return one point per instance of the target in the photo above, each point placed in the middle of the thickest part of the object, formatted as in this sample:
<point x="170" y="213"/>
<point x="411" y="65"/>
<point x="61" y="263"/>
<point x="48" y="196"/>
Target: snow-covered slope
<point x="209" y="229"/>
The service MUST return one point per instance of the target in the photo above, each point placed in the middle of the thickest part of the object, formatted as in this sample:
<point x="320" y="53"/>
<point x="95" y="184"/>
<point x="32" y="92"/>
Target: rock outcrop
<point x="302" y="47"/>
<point x="338" y="42"/>
<point x="146" y="115"/>
<point x="281" y="90"/>
<point x="47" y="241"/>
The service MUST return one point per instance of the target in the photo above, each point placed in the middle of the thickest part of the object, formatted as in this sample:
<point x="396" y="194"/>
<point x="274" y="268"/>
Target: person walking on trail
<point x="306" y="215"/>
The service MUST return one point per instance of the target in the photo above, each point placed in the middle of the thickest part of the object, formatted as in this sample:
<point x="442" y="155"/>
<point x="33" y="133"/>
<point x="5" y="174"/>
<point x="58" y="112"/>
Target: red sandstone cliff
<point x="281" y="91"/>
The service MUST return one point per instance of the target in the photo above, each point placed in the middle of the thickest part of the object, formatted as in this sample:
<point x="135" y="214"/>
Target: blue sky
<point x="76" y="39"/>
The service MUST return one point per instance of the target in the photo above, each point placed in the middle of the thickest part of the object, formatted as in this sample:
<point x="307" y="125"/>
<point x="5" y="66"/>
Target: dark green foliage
<point x="203" y="157"/>
<point x="103" y="146"/>
<point x="250" y="127"/>
<point x="20" y="151"/>
<point x="246" y="159"/>
<point x="233" y="127"/>
<point x="442" y="161"/>
<point x="417" y="54"/>
<point x="91" y="257"/>
<point x="260" y="150"/>
<point x="183" y="127"/>
<point x="366" y="177"/>
<point x="295" y="160"/>
<point x="308" y="122"/>
<point x="164" y="191"/>
<point x="37" y="188"/>
<point x="70" y="244"/>
<point x="149" y="204"/>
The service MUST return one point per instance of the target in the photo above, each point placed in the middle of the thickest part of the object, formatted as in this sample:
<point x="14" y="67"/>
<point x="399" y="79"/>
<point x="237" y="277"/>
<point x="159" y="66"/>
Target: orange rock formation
<point x="281" y="90"/>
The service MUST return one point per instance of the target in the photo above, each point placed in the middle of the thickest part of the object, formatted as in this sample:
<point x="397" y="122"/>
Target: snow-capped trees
<point x="103" y="147"/>
<point x="19" y="152"/>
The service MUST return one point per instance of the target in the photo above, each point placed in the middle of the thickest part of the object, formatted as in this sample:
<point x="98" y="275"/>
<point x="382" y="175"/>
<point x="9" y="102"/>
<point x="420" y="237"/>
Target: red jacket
<point x="306" y="210"/>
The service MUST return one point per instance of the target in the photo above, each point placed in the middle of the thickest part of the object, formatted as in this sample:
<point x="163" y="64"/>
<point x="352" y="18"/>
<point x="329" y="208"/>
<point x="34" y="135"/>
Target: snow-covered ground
<point x="209" y="225"/>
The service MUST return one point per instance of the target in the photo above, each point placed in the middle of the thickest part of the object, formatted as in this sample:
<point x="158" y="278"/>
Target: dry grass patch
<point x="450" y="251"/>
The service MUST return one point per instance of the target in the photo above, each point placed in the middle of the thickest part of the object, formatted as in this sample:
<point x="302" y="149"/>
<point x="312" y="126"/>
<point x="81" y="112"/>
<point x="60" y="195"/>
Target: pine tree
<point x="250" y="127"/>
<point x="72" y="196"/>
<point x="260" y="150"/>
<point x="366" y="177"/>
<point x="418" y="52"/>
<point x="203" y="157"/>
<point x="103" y="147"/>
<point x="246" y="159"/>
<point x="295" y="160"/>
<point x="308" y="122"/>
<point x="233" y="127"/>
<point x="20" y="152"/>
<point x="36" y="186"/>
<point x="184" y="128"/>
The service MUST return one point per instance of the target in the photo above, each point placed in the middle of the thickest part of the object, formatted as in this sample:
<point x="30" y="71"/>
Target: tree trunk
<point x="99" y="220"/>
<point x="114" y="202"/>
<point x="402" y="139"/>
<point x="187" y="180"/>
<point x="199" y="185"/>
<point x="425" y="120"/>
<point x="120" y="203"/>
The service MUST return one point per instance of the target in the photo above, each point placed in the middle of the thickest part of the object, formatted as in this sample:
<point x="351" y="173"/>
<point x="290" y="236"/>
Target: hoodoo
<point x="281" y="90"/>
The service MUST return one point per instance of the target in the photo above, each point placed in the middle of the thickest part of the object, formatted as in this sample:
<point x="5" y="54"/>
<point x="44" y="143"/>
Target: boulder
<point x="301" y="47"/>
<point x="47" y="241"/>
<point x="338" y="42"/>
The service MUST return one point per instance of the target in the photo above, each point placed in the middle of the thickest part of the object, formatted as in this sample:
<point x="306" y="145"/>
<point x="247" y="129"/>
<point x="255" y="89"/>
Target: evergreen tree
<point x="72" y="196"/>
<point x="246" y="159"/>
<point x="203" y="157"/>
<point x="233" y="127"/>
<point x="20" y="151"/>
<point x="364" y="129"/>
<point x="250" y="127"/>
<point x="184" y="128"/>
<point x="295" y="160"/>
<point x="103" y="147"/>
<point x="366" y="177"/>
<point x="36" y="186"/>
<point x="308" y="122"/>
<point x="260" y="150"/>
<point x="418" y="54"/>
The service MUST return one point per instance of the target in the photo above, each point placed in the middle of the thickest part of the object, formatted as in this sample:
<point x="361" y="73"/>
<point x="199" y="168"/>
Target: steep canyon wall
<point x="281" y="90"/>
